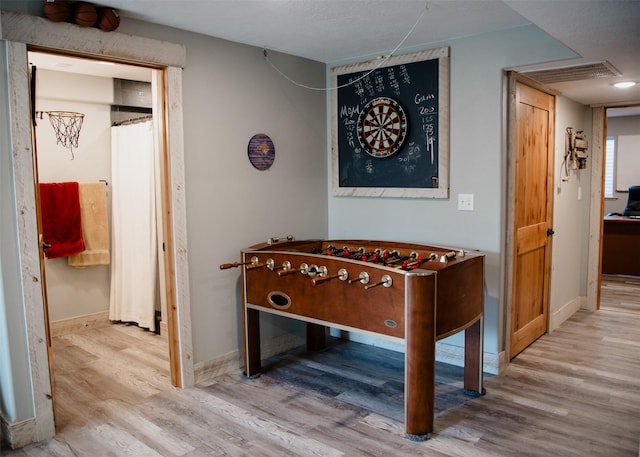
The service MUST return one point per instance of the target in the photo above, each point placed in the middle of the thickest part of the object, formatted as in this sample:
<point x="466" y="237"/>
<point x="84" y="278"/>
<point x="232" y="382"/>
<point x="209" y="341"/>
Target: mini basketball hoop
<point x="67" y="125"/>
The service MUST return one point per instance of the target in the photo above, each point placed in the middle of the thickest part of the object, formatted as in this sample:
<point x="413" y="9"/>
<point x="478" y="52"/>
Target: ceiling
<point x="331" y="31"/>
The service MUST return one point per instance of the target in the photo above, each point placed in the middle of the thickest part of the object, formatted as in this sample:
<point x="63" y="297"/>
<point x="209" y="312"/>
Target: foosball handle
<point x="226" y="266"/>
<point x="343" y="275"/>
<point x="448" y="256"/>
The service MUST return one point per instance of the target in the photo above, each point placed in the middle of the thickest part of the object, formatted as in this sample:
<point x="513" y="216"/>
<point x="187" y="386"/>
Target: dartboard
<point x="382" y="127"/>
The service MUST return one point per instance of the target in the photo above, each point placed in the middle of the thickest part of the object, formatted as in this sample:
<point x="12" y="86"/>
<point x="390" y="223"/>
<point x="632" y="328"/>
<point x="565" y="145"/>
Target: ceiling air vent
<point x="575" y="73"/>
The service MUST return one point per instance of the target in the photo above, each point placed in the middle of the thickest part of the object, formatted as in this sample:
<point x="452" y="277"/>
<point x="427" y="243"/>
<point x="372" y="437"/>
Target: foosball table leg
<point x="473" y="354"/>
<point x="316" y="337"/>
<point x="252" y="363"/>
<point x="420" y="357"/>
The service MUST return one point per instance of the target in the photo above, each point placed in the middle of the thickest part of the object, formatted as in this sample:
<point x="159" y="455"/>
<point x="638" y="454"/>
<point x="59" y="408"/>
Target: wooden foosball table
<point x="411" y="293"/>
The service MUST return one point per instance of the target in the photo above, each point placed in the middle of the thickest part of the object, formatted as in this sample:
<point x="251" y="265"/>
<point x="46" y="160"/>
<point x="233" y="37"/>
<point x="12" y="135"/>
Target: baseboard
<point x="210" y="369"/>
<point x="565" y="312"/>
<point x="454" y="355"/>
<point x="64" y="326"/>
<point x="232" y="361"/>
<point x="164" y="329"/>
<point x="281" y="344"/>
<point x="18" y="434"/>
<point x="446" y="353"/>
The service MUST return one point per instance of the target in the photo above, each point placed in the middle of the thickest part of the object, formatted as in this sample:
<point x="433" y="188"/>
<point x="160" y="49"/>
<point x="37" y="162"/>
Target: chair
<point x="633" y="203"/>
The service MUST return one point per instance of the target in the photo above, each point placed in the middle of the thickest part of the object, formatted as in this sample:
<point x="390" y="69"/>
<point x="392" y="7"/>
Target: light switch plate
<point x="465" y="202"/>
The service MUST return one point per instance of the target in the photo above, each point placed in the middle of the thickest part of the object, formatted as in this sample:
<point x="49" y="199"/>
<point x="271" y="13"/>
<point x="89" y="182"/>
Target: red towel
<point x="61" y="219"/>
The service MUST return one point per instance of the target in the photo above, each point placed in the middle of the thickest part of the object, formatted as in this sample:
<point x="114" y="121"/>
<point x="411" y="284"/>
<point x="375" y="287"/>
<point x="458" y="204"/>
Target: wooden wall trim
<point x="181" y="329"/>
<point x="38" y="31"/>
<point x="596" y="207"/>
<point x="511" y="80"/>
<point x="23" y="173"/>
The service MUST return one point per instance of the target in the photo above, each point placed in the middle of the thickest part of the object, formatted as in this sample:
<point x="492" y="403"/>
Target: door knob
<point x="550" y="232"/>
<point x="45" y="246"/>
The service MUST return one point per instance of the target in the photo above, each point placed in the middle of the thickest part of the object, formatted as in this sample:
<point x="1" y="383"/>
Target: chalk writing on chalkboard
<point x="390" y="127"/>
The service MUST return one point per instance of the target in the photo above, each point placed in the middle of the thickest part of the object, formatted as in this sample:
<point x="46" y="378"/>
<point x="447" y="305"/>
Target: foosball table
<point x="410" y="293"/>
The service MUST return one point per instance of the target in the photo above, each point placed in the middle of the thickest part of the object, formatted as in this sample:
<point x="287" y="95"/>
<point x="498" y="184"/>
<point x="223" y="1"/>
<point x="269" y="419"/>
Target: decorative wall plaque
<point x="261" y="151"/>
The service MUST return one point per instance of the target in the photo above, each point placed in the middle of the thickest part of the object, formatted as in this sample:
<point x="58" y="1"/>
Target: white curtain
<point x="134" y="266"/>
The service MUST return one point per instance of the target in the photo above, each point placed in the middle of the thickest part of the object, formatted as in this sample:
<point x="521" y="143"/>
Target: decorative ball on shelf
<point x="85" y="14"/>
<point x="58" y="10"/>
<point x="108" y="19"/>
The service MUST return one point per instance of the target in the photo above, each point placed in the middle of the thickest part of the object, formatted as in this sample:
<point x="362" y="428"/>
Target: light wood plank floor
<point x="574" y="392"/>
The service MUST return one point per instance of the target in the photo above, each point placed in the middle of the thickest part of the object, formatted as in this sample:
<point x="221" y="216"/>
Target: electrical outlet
<point x="465" y="202"/>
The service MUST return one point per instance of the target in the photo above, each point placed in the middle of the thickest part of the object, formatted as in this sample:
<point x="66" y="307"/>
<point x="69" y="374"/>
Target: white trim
<point x="565" y="312"/>
<point x="17" y="434"/>
<point x="454" y="355"/>
<point x="233" y="361"/>
<point x="208" y="370"/>
<point x="445" y="352"/>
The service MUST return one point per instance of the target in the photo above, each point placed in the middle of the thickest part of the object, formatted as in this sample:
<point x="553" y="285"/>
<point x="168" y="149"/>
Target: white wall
<point x="74" y="292"/>
<point x="570" y="217"/>
<point x="230" y="94"/>
<point x="626" y="125"/>
<point x="477" y="165"/>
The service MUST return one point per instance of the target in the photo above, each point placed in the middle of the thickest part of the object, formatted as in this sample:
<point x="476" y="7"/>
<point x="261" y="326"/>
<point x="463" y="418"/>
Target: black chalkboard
<point x="416" y="87"/>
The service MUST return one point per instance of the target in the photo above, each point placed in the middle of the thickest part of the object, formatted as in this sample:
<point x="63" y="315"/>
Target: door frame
<point x="596" y="217"/>
<point x="596" y="209"/>
<point x="20" y="32"/>
<point x="511" y="150"/>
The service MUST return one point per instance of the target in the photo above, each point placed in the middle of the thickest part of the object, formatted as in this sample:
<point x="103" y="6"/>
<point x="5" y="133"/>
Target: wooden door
<point x="532" y="193"/>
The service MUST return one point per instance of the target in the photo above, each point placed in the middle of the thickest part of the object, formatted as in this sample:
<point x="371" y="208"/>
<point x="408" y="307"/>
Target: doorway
<point x="529" y="229"/>
<point x="65" y="38"/>
<point x="79" y="292"/>
<point x="621" y="170"/>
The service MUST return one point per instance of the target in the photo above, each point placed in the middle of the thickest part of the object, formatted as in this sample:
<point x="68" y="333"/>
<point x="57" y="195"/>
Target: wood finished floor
<point x="574" y="392"/>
